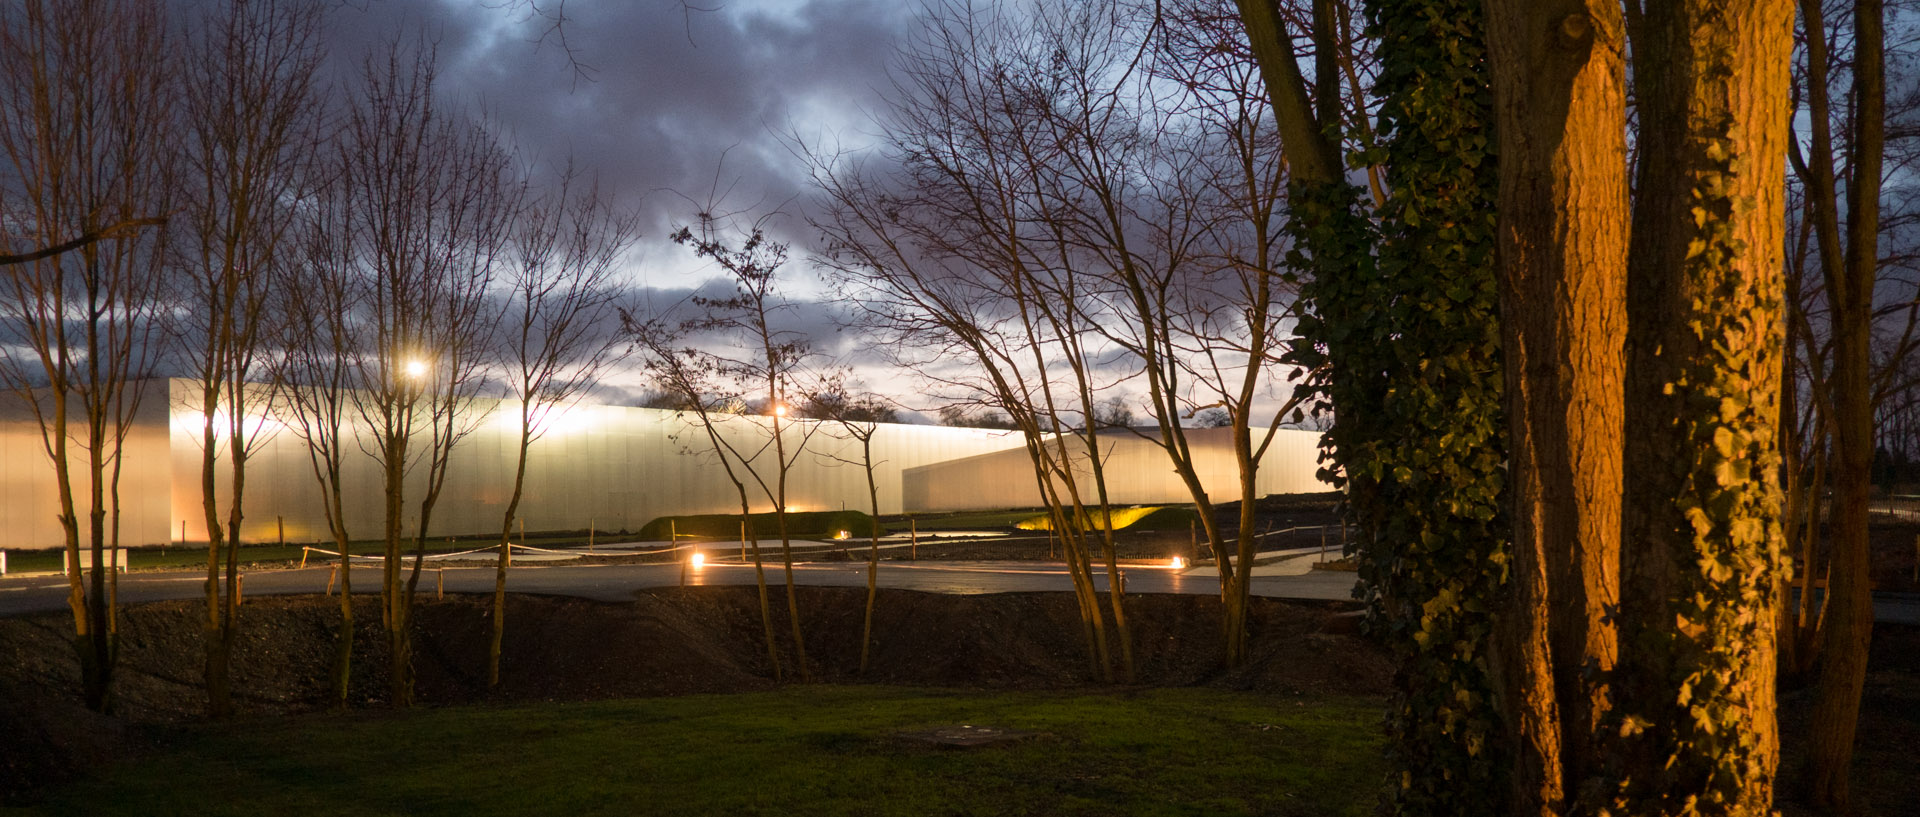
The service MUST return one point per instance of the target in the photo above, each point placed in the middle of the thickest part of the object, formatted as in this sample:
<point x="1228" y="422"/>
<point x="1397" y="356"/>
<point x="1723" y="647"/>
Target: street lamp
<point x="414" y="368"/>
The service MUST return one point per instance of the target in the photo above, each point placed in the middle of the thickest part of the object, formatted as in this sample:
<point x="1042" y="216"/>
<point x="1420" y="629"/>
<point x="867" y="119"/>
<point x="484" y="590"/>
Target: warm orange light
<point x="1177" y="563"/>
<point x="415" y="368"/>
<point x="699" y="558"/>
<point x="780" y="411"/>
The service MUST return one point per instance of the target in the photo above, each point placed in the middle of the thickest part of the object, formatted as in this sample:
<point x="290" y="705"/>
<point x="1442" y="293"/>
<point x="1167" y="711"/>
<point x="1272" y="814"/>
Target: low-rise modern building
<point x="611" y="468"/>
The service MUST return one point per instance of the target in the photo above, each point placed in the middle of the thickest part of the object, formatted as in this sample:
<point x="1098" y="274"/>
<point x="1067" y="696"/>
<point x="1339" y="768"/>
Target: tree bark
<point x="1560" y="101"/>
<point x="1701" y="533"/>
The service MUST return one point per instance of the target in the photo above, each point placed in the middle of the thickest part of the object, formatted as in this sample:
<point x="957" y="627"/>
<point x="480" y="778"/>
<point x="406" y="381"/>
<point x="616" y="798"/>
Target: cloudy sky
<point x="669" y="98"/>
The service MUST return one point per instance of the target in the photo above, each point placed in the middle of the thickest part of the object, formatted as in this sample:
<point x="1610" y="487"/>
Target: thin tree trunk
<point x="394" y="602"/>
<point x="219" y="700"/>
<point x="500" y="563"/>
<point x="1843" y="665"/>
<point x="786" y="551"/>
<point x="873" y="549"/>
<point x="343" y="639"/>
<point x="760" y="584"/>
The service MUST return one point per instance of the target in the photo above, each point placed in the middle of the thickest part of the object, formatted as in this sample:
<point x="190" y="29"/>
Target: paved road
<point x="618" y="582"/>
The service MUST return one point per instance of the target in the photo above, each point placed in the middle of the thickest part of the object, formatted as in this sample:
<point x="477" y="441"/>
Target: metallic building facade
<point x="613" y="468"/>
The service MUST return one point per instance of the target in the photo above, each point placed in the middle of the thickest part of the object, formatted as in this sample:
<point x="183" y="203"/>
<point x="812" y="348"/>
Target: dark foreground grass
<point x="801" y="751"/>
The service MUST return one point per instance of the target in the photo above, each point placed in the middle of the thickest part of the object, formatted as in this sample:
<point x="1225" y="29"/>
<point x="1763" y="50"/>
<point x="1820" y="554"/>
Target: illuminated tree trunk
<point x="1560" y="102"/>
<point x="1694" y="695"/>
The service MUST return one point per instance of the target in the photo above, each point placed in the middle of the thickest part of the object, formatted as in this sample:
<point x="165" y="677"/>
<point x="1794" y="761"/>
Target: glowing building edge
<point x="611" y="468"/>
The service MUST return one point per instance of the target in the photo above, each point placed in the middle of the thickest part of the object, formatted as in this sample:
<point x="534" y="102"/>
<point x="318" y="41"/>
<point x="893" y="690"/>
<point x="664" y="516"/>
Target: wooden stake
<point x="914" y="525"/>
<point x="239" y="589"/>
<point x="440" y="584"/>
<point x="331" y="576"/>
<point x="590" y="521"/>
<point x="303" y="557"/>
<point x="282" y="522"/>
<point x="743" y="540"/>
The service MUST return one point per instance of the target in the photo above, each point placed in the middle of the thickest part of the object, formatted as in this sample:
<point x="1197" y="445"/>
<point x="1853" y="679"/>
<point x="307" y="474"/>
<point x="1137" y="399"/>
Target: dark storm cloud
<point x="670" y="91"/>
<point x="818" y="321"/>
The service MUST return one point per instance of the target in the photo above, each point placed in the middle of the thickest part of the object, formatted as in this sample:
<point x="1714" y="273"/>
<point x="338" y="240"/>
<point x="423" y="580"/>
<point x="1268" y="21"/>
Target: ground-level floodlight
<point x="698" y="558"/>
<point x="1177" y="563"/>
<point x="415" y="368"/>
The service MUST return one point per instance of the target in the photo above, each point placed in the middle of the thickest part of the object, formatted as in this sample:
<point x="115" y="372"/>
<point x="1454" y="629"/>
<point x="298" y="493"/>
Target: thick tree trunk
<point x="1843" y="666"/>
<point x="1695" y="690"/>
<point x="1560" y="98"/>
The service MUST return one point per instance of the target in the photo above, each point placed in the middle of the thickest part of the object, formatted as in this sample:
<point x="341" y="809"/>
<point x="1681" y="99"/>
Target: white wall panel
<point x="613" y="467"/>
<point x="1137" y="473"/>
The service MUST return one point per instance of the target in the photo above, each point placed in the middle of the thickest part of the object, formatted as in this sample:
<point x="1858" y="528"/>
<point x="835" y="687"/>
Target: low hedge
<point x="809" y="524"/>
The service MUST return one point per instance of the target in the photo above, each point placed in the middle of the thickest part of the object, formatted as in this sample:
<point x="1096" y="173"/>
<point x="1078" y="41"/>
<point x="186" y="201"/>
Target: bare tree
<point x="957" y="254"/>
<point x="685" y="372"/>
<point x="859" y="418"/>
<point x="1111" y="183"/>
<point x="769" y="361"/>
<point x="562" y="331"/>
<point x="86" y="106"/>
<point x="1846" y="392"/>
<point x="248" y="107"/>
<point x="319" y="340"/>
<point x="424" y="201"/>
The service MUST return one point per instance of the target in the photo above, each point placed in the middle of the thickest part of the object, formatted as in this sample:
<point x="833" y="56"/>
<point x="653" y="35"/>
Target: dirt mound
<point x="665" y="642"/>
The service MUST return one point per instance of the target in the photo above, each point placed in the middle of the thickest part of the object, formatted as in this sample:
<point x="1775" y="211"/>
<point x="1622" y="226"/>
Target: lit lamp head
<point x="698" y="558"/>
<point x="414" y="369"/>
<point x="1177" y="563"/>
<point x="780" y="410"/>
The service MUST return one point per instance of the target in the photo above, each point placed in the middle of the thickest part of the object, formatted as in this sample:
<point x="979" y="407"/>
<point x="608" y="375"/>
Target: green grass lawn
<point x="799" y="751"/>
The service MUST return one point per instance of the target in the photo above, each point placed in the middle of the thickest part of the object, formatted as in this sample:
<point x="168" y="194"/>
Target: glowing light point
<point x="1177" y="563"/>
<point x="779" y="411"/>
<point x="415" y="368"/>
<point x="698" y="558"/>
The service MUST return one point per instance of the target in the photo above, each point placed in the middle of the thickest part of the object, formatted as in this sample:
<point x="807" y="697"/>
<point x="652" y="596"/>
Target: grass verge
<point x="808" y="750"/>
